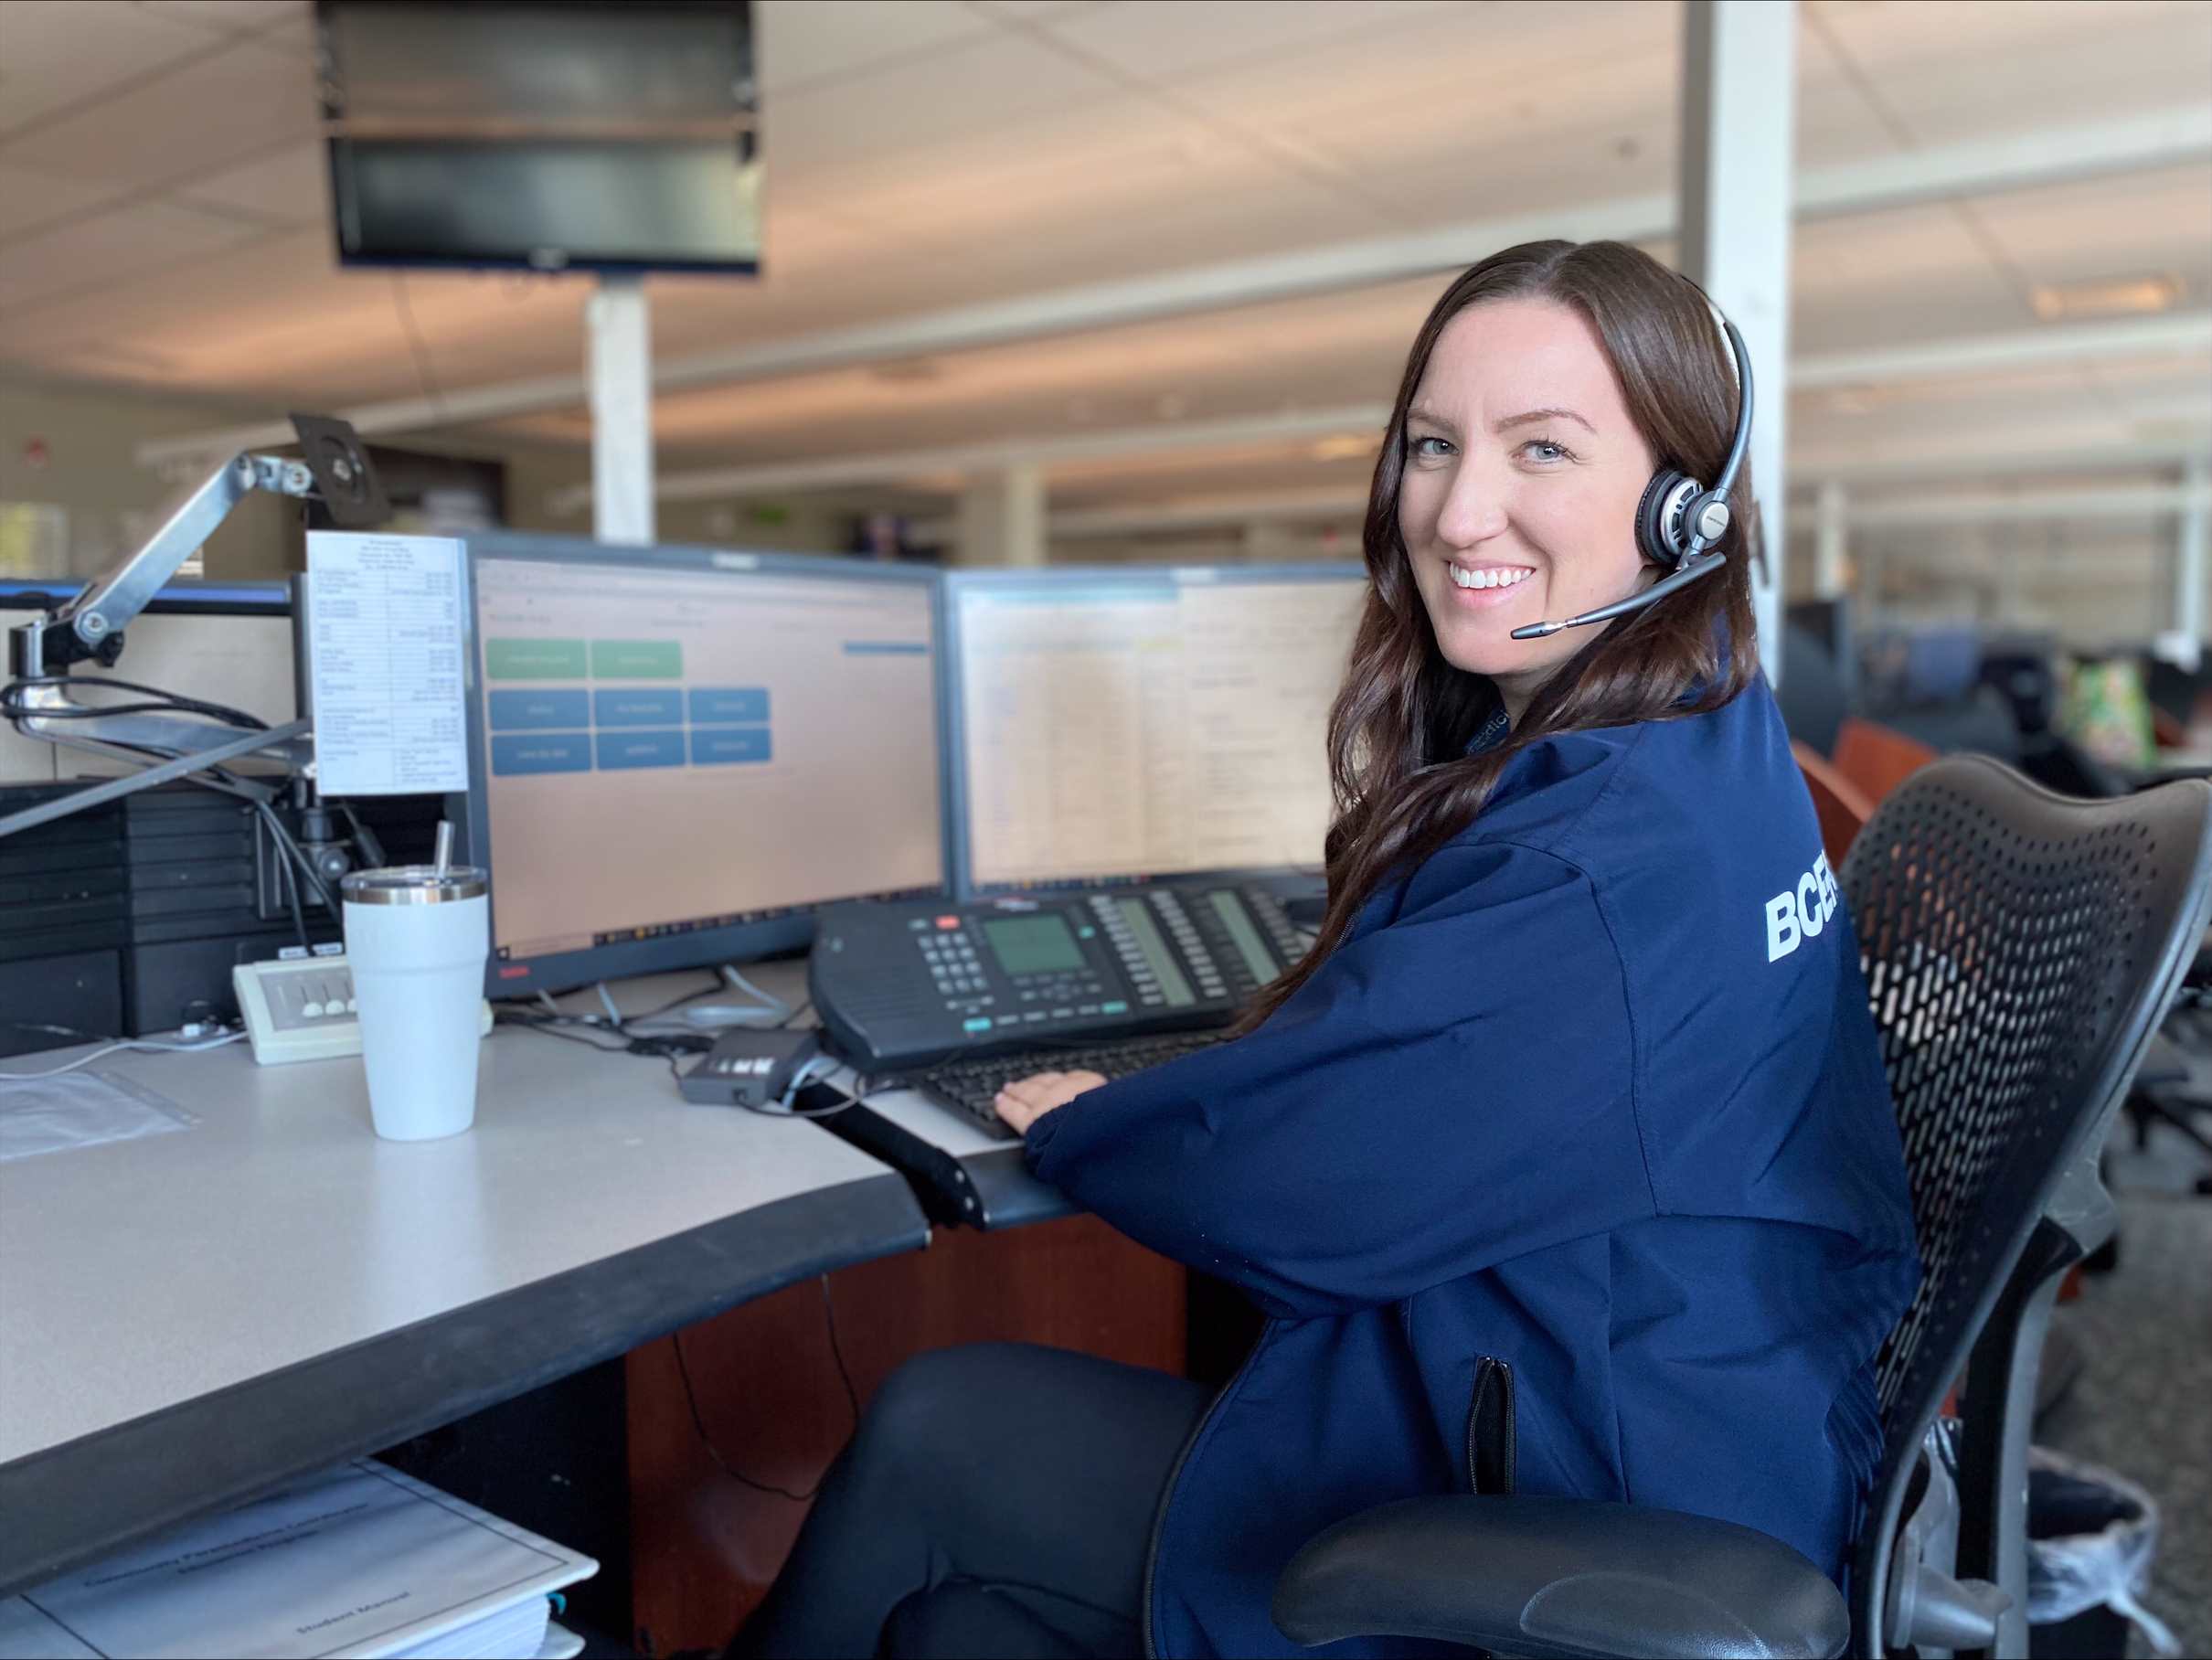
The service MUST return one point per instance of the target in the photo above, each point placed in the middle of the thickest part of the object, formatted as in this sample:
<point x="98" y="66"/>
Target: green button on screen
<point x="534" y="659"/>
<point x="637" y="659"/>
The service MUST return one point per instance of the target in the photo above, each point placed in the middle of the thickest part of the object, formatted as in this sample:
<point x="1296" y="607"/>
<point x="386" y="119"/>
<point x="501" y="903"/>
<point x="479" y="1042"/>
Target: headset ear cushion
<point x="1658" y="541"/>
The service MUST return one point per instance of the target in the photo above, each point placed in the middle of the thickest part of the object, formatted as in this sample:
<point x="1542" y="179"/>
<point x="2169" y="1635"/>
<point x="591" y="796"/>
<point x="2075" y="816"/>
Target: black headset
<point x="1678" y="518"/>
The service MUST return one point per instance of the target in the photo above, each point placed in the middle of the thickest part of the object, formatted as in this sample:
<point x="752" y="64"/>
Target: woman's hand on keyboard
<point x="1025" y="1100"/>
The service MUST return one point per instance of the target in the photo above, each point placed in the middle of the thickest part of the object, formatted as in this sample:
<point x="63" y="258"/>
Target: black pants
<point x="997" y="1501"/>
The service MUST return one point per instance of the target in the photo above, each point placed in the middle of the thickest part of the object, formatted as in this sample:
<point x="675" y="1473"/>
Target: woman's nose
<point x="1474" y="510"/>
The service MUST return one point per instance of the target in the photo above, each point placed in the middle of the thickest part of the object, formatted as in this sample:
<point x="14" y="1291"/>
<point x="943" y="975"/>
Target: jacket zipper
<point x="1490" y="1437"/>
<point x="1159" y="1516"/>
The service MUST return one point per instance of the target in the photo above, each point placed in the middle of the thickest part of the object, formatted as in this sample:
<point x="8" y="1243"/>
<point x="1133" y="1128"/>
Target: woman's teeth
<point x="1492" y="578"/>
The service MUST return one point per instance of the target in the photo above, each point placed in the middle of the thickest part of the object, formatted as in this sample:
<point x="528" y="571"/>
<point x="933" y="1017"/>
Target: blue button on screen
<point x="728" y="705"/>
<point x="635" y="708"/>
<point x="618" y="751"/>
<point x="516" y="755"/>
<point x="539" y="711"/>
<point x="719" y="746"/>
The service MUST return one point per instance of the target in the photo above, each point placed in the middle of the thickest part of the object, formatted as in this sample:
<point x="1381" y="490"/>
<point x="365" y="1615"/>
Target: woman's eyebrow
<point x="1528" y="418"/>
<point x="1429" y="417"/>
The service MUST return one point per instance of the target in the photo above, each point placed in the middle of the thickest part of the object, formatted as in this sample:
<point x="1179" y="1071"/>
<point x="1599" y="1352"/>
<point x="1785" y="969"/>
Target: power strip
<point x="302" y="1008"/>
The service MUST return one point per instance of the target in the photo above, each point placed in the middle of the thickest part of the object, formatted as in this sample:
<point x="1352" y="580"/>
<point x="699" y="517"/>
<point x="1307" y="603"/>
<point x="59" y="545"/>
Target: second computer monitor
<point x="1118" y="726"/>
<point x="677" y="753"/>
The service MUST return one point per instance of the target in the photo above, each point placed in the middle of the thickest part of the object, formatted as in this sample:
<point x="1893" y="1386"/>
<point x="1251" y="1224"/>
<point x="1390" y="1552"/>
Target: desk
<point x="994" y="1171"/>
<point x="276" y="1289"/>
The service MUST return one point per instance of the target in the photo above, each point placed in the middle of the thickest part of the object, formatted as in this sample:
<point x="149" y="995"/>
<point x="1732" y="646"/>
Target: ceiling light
<point x="2111" y="297"/>
<point x="1342" y="446"/>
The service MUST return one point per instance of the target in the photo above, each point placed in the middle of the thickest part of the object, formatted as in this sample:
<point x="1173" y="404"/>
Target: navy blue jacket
<point x="1595" y="1092"/>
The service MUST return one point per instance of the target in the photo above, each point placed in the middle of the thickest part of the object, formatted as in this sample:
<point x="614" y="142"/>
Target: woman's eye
<point x="1544" y="450"/>
<point x="1429" y="447"/>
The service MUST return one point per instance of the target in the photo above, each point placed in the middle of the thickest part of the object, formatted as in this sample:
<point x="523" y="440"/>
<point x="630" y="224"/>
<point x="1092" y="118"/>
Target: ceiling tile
<point x="29" y="199"/>
<point x="61" y="52"/>
<point x="994" y="86"/>
<point x="2113" y="227"/>
<point x="241" y="101"/>
<point x="119" y="244"/>
<point x="292" y="187"/>
<point x="1835" y="122"/>
<point x="1170" y="40"/>
<point x="1962" y="71"/>
<point x="1891" y="278"/>
<point x="803" y="42"/>
<point x="1036" y="11"/>
<point x="1390" y="105"/>
<point x="229" y="16"/>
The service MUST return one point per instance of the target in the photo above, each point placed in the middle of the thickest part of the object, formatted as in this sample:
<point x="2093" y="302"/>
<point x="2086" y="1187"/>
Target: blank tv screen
<point x="550" y="135"/>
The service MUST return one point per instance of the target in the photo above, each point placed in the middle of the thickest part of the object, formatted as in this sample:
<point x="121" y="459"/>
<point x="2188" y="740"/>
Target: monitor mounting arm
<point x="90" y="627"/>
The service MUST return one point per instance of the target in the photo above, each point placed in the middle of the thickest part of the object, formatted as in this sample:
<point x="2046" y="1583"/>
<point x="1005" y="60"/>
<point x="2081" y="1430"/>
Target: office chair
<point x="2020" y="948"/>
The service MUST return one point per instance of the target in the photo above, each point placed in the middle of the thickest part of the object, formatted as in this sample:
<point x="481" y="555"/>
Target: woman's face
<point x="1518" y="501"/>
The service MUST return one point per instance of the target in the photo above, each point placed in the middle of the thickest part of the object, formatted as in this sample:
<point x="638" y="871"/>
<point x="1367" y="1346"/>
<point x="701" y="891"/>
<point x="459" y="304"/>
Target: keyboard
<point x="968" y="1087"/>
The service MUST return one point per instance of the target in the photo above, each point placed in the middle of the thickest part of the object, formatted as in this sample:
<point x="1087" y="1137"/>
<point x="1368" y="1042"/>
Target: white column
<point x="1830" y="545"/>
<point x="2189" y="553"/>
<point x="1002" y="517"/>
<point x="1739" y="125"/>
<point x="619" y="365"/>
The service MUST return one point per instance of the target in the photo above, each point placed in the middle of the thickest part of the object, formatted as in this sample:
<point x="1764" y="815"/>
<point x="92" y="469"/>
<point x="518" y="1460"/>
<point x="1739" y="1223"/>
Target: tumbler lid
<point x="412" y="884"/>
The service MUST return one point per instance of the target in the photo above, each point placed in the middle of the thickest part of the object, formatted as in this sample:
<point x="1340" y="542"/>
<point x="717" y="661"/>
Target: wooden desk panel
<point x="706" y="1548"/>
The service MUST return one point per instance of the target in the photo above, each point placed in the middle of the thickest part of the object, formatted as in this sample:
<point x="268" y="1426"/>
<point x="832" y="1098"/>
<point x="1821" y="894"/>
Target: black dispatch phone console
<point x="909" y="983"/>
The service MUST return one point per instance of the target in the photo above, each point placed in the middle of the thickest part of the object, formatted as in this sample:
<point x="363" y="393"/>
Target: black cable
<point x="551" y="1028"/>
<point x="699" y="1424"/>
<point x="287" y="878"/>
<point x="713" y="985"/>
<point x="691" y="1400"/>
<point x="793" y="1017"/>
<point x="171" y="702"/>
<point x="829" y="1316"/>
<point x="302" y="863"/>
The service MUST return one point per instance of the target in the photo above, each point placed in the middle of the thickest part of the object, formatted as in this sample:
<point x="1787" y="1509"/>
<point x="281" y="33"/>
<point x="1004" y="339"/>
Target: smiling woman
<point x="1548" y="387"/>
<point x="1550" y="1172"/>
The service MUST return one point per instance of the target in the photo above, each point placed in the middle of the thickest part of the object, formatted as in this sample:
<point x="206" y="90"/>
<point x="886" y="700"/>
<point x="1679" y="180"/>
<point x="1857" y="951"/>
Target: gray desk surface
<point x="1009" y="1196"/>
<point x="189" y="1316"/>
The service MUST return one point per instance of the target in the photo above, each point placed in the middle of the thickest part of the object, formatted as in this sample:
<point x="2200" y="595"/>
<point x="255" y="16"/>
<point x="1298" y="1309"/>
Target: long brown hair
<point x="1401" y="724"/>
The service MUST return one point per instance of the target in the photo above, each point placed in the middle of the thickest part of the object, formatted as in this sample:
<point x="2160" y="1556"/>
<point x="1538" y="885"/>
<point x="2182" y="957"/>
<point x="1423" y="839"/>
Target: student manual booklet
<point x="360" y="1560"/>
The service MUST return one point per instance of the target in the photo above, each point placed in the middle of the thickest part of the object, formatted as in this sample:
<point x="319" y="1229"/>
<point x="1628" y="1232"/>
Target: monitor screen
<point x="1124" y="726"/>
<point x="677" y="754"/>
<point x="553" y="133"/>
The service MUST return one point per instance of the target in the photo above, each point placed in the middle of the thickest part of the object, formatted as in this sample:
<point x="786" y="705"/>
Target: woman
<point x="1564" y="1164"/>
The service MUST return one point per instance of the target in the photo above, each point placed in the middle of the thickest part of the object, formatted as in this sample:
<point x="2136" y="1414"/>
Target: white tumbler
<point x="416" y="939"/>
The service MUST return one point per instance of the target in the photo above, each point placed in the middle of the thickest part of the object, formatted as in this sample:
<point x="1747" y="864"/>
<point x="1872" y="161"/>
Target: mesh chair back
<point x="2019" y="949"/>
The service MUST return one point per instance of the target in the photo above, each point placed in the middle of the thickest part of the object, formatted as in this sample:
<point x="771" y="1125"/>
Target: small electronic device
<point x="302" y="1008"/>
<point x="905" y="986"/>
<point x="749" y="1069"/>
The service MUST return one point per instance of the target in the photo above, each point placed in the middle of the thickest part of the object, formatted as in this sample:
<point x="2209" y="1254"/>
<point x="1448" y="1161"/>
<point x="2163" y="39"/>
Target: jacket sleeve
<point x="1449" y="1091"/>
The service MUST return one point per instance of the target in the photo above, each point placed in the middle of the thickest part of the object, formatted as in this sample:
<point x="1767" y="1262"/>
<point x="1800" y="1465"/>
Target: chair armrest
<point x="1559" y="1577"/>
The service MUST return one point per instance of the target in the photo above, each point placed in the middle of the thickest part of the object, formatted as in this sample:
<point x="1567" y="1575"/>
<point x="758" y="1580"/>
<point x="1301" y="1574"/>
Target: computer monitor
<point x="677" y="754"/>
<point x="1124" y="726"/>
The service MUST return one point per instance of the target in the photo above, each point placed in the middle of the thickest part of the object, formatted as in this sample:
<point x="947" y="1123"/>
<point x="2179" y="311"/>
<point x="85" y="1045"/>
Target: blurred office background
<point x="2000" y="357"/>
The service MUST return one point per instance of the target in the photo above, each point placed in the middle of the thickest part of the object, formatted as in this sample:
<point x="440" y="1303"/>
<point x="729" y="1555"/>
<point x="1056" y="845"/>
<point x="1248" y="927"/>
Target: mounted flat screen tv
<point x="544" y="135"/>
